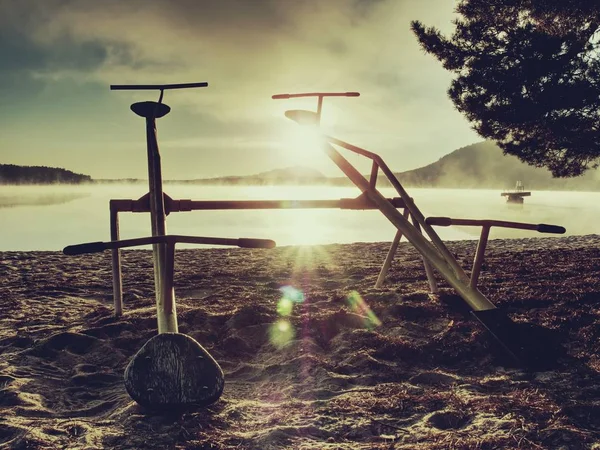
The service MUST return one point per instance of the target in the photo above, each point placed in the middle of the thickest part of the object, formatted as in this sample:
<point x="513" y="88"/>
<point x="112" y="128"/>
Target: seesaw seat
<point x="150" y="109"/>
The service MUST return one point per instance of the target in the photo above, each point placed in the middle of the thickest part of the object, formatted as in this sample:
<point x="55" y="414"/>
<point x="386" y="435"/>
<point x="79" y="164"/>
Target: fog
<point x="33" y="197"/>
<point x="51" y="217"/>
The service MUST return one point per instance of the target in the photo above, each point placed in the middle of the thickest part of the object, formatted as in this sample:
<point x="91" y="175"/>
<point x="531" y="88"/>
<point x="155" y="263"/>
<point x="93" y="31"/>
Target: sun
<point x="303" y="142"/>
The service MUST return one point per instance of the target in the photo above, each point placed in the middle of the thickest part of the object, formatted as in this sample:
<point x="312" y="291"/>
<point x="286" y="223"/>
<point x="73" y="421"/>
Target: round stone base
<point x="173" y="370"/>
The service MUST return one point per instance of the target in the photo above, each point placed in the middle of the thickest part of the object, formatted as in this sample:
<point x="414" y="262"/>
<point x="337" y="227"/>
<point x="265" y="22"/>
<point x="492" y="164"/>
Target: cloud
<point x="247" y="50"/>
<point x="255" y="42"/>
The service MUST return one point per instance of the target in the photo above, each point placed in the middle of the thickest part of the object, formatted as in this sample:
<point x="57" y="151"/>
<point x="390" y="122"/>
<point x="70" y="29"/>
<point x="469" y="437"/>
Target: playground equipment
<point x="171" y="369"/>
<point x="143" y="205"/>
<point x="434" y="252"/>
<point x="140" y="378"/>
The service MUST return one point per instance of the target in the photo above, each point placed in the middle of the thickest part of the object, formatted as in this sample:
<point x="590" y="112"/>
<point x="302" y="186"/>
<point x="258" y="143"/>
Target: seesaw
<point x="172" y="369"/>
<point x="143" y="205"/>
<point x="434" y="252"/>
<point x="140" y="378"/>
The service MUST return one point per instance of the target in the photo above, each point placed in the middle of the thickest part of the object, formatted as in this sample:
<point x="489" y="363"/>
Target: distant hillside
<point x="297" y="175"/>
<point x="483" y="165"/>
<point x="12" y="174"/>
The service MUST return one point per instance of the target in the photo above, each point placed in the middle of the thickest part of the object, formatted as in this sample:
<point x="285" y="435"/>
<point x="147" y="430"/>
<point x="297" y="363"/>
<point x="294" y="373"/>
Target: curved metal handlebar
<point x="143" y="87"/>
<point x="544" y="228"/>
<point x="95" y="247"/>
<point x="316" y="94"/>
<point x="541" y="227"/>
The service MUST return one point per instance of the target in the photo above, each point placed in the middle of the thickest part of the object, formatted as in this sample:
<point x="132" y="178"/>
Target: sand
<point x="337" y="365"/>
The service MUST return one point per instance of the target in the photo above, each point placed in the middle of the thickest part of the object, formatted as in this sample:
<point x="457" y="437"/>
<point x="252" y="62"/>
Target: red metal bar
<point x="541" y="227"/>
<point x="374" y="171"/>
<point x="169" y="239"/>
<point x="143" y="87"/>
<point x="316" y="94"/>
<point x="359" y="203"/>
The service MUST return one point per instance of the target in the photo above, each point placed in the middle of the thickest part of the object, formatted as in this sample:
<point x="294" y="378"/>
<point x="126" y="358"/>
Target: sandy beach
<point x="314" y="356"/>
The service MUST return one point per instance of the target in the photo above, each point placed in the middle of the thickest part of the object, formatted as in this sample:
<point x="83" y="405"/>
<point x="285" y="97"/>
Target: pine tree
<point x="527" y="77"/>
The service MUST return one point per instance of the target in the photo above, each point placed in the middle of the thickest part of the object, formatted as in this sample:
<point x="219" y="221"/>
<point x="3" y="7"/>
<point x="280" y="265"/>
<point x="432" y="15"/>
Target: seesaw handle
<point x="95" y="247"/>
<point x="143" y="87"/>
<point x="316" y="94"/>
<point x="439" y="221"/>
<point x="255" y="243"/>
<point x="544" y="228"/>
<point x="89" y="247"/>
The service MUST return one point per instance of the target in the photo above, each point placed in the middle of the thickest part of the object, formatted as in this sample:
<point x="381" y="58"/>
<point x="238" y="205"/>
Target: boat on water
<point x="517" y="194"/>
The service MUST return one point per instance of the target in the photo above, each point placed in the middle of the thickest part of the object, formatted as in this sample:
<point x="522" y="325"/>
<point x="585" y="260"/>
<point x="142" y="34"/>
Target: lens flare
<point x="292" y="294"/>
<point x="281" y="333"/>
<point x="285" y="306"/>
<point x="359" y="306"/>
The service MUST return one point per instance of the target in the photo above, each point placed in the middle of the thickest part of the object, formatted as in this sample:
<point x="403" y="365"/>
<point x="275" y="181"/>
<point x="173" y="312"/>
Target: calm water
<point x="49" y="218"/>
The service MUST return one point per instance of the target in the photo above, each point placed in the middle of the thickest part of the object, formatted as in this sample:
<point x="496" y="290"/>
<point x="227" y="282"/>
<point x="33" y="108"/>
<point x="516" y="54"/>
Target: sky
<point x="59" y="57"/>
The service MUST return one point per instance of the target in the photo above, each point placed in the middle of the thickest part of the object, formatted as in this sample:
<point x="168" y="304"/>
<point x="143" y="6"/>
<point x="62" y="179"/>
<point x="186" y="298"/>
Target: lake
<point x="51" y="217"/>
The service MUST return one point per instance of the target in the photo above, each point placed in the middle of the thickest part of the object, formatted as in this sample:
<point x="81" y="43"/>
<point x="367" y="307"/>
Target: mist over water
<point x="52" y="217"/>
<point x="33" y="197"/>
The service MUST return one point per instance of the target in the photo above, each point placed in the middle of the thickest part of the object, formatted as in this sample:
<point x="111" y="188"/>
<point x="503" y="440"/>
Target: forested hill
<point x="297" y="175"/>
<point x="12" y="174"/>
<point x="483" y="165"/>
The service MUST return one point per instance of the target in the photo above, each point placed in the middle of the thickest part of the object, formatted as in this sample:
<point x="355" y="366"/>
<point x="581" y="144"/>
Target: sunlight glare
<point x="292" y="294"/>
<point x="285" y="306"/>
<point x="281" y="333"/>
<point x="304" y="142"/>
<point x="358" y="305"/>
<point x="307" y="229"/>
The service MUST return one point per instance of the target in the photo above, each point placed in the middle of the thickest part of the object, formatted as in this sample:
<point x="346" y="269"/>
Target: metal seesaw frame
<point x="435" y="254"/>
<point x="143" y="204"/>
<point x="171" y="370"/>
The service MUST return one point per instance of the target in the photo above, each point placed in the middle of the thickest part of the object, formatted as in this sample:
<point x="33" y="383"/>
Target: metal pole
<point x="116" y="261"/>
<point x="374" y="171"/>
<point x="390" y="255"/>
<point x="433" y="287"/>
<point x="165" y="301"/>
<point x="478" y="261"/>
<point x="168" y="313"/>
<point x="319" y="108"/>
